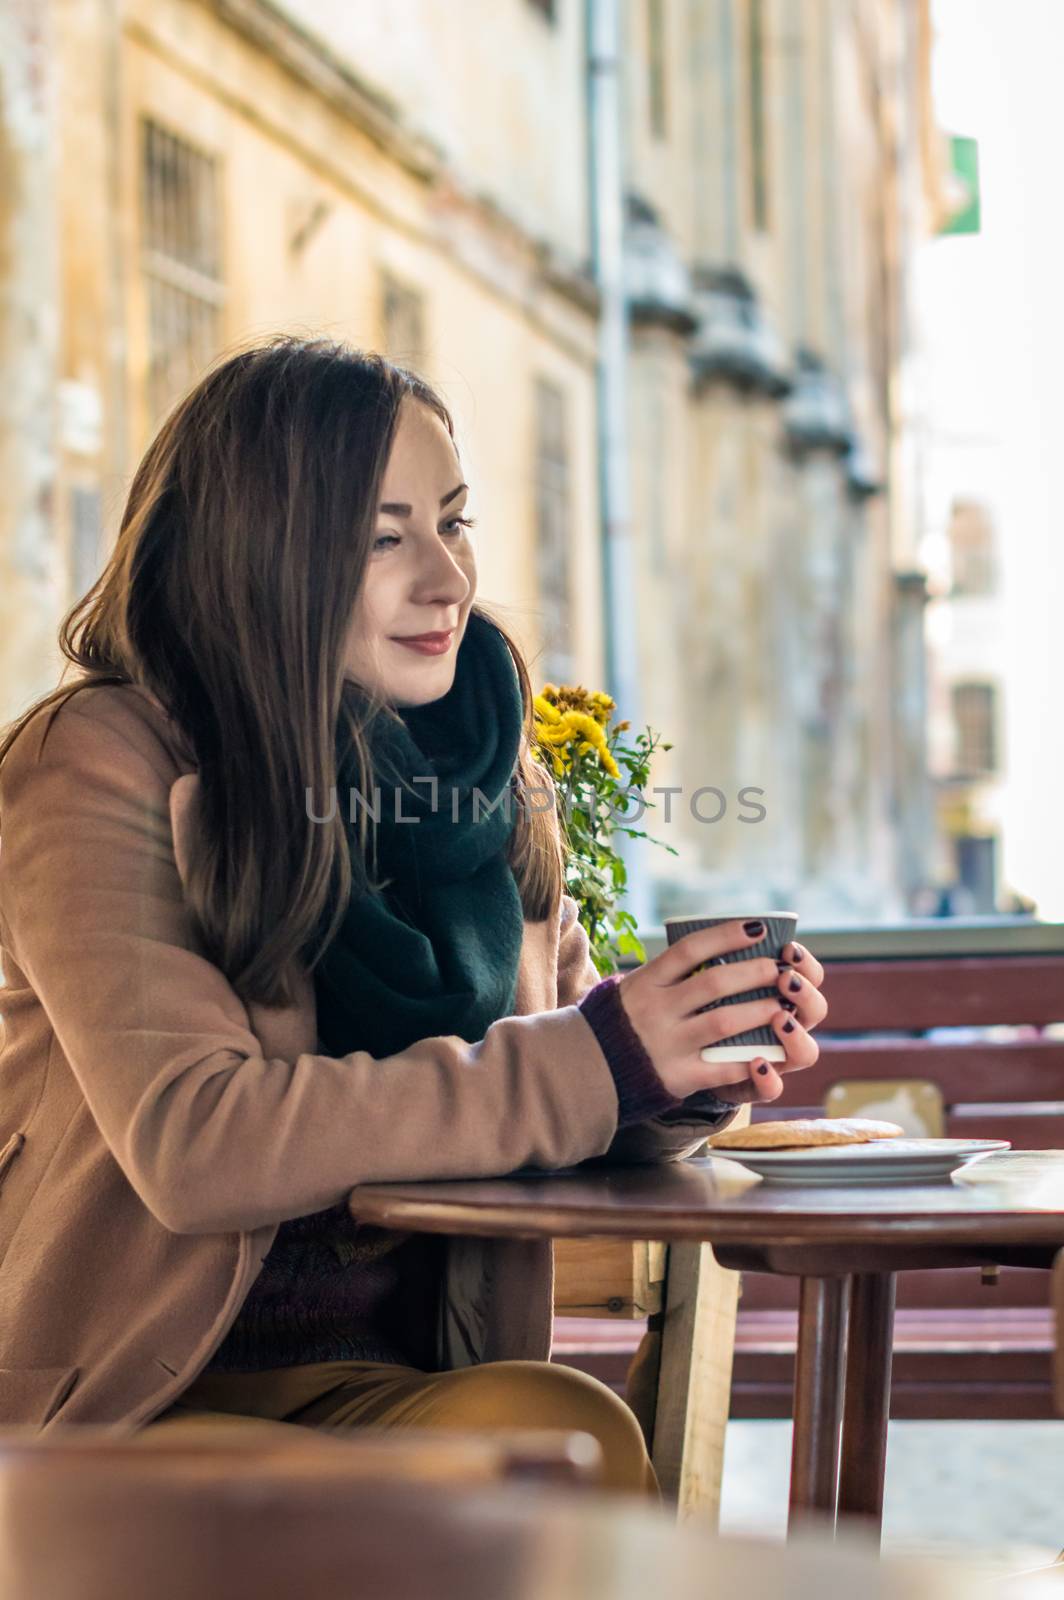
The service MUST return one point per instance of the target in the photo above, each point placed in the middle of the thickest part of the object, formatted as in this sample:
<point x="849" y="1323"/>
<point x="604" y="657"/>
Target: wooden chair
<point x="674" y="1308"/>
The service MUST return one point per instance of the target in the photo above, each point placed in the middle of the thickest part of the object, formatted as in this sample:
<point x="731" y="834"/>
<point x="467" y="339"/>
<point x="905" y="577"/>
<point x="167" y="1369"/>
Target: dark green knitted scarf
<point x="437" y="951"/>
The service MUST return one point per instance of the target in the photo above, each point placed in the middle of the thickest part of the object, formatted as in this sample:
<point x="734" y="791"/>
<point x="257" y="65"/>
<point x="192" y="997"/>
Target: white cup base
<point x="742" y="1052"/>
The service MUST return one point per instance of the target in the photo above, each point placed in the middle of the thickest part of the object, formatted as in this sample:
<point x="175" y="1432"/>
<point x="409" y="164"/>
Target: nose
<point x="440" y="579"/>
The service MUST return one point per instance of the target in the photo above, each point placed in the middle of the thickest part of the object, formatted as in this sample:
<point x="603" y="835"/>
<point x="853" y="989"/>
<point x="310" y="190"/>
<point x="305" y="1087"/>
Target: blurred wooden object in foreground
<point x="103" y="1521"/>
<point x="572" y="1459"/>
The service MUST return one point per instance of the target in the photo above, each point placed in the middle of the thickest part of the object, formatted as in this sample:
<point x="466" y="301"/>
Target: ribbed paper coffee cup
<point x="780" y="929"/>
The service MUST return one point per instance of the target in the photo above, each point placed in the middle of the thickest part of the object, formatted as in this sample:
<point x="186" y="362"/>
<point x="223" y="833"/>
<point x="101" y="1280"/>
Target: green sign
<point x="962" y="184"/>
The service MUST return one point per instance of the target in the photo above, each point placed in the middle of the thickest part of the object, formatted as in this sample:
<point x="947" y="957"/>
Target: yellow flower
<point x="590" y="737"/>
<point x="569" y="715"/>
<point x="582" y="722"/>
<point x="552" y="733"/>
<point x="601" y="706"/>
<point x="545" y="710"/>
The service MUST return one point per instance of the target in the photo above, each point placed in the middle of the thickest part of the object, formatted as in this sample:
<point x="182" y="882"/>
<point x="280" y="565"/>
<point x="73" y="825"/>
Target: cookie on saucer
<point x="804" y="1133"/>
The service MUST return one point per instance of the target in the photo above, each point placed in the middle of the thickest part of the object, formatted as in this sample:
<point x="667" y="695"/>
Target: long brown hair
<point x="228" y="595"/>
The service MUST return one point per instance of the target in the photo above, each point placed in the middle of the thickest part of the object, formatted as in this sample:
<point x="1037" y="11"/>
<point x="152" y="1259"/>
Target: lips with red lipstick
<point x="428" y="643"/>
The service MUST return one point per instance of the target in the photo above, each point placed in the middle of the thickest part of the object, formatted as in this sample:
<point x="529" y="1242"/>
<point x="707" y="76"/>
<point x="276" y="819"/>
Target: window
<point x="402" y="322"/>
<point x="971" y="538"/>
<point x="656" y="66"/>
<point x="975" y="728"/>
<point x="553" y="531"/>
<point x="755" y="95"/>
<point x="181" y="260"/>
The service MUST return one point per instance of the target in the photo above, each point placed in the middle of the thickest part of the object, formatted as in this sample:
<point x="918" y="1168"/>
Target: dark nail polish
<point x="797" y="956"/>
<point x="754" y="929"/>
<point x="788" y="1005"/>
<point x="788" y="1026"/>
<point x="783" y="966"/>
<point x="795" y="985"/>
<point x="763" y="1070"/>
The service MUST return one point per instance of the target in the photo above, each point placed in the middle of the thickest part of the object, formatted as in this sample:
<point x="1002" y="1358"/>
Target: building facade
<point x="781" y="183"/>
<point x="188" y="175"/>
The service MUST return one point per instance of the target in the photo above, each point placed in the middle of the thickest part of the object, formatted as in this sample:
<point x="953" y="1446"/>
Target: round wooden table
<point x="845" y="1244"/>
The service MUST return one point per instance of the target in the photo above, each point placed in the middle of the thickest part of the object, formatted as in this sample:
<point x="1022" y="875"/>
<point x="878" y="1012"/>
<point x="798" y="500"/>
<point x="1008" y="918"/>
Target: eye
<point x="457" y="524"/>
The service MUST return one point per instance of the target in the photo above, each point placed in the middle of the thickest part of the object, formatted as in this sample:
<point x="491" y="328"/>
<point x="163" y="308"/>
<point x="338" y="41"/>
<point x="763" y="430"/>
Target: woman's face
<point x="421" y="576"/>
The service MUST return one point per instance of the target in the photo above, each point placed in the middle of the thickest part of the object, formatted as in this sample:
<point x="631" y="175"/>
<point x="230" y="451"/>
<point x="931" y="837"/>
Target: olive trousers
<point x="352" y="1394"/>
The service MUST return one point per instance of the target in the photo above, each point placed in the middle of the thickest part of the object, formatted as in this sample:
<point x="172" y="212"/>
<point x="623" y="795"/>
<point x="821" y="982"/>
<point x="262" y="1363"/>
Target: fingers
<point x="800" y="1047"/>
<point x="807" y="1002"/>
<point x="804" y="962"/>
<point x="763" y="1083"/>
<point x="681" y="958"/>
<point x="722" y="1024"/>
<point x="722" y="978"/>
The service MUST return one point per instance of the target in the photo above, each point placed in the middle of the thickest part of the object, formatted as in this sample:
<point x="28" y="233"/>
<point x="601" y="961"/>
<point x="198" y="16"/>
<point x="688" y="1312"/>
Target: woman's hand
<point x="662" y="999"/>
<point x="806" y="1007"/>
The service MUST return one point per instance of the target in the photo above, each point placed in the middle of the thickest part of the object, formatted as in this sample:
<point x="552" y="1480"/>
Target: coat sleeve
<point x="672" y="1135"/>
<point x="213" y="1134"/>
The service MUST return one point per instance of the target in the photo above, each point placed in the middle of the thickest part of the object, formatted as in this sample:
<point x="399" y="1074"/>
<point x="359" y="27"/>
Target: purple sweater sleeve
<point x="640" y="1091"/>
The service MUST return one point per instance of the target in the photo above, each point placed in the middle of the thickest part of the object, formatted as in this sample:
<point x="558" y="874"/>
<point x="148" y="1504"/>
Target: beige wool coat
<point x="155" y="1130"/>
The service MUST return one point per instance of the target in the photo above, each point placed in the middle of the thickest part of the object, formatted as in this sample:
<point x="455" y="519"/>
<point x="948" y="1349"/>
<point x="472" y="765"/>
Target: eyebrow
<point x="395" y="508"/>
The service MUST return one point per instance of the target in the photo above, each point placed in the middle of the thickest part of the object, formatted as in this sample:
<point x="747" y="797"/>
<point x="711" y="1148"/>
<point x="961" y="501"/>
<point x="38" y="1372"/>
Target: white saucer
<point x="882" y="1161"/>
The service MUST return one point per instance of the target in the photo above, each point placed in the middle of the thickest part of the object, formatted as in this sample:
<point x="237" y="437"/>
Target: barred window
<point x="402" y="322"/>
<point x="975" y="728"/>
<point x="553" y="530"/>
<point x="181" y="260"/>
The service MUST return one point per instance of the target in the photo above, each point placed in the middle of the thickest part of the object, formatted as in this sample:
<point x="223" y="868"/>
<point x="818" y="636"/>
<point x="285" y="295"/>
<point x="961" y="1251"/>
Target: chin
<point x="410" y="696"/>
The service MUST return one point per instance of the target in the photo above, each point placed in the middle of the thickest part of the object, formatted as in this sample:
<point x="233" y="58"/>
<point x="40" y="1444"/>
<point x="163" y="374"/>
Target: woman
<point x="230" y="1000"/>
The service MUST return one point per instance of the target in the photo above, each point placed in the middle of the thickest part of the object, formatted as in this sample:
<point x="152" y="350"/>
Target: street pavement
<point x="992" y="1492"/>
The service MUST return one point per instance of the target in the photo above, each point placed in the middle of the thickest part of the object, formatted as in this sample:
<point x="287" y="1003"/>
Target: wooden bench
<point x="967" y="1344"/>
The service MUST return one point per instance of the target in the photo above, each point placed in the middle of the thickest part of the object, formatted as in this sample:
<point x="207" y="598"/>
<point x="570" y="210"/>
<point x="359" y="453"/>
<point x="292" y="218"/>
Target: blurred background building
<point x="185" y="175"/>
<point x="987" y="432"/>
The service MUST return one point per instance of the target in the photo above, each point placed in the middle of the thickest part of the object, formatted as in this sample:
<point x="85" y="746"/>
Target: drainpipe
<point x="606" y="188"/>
